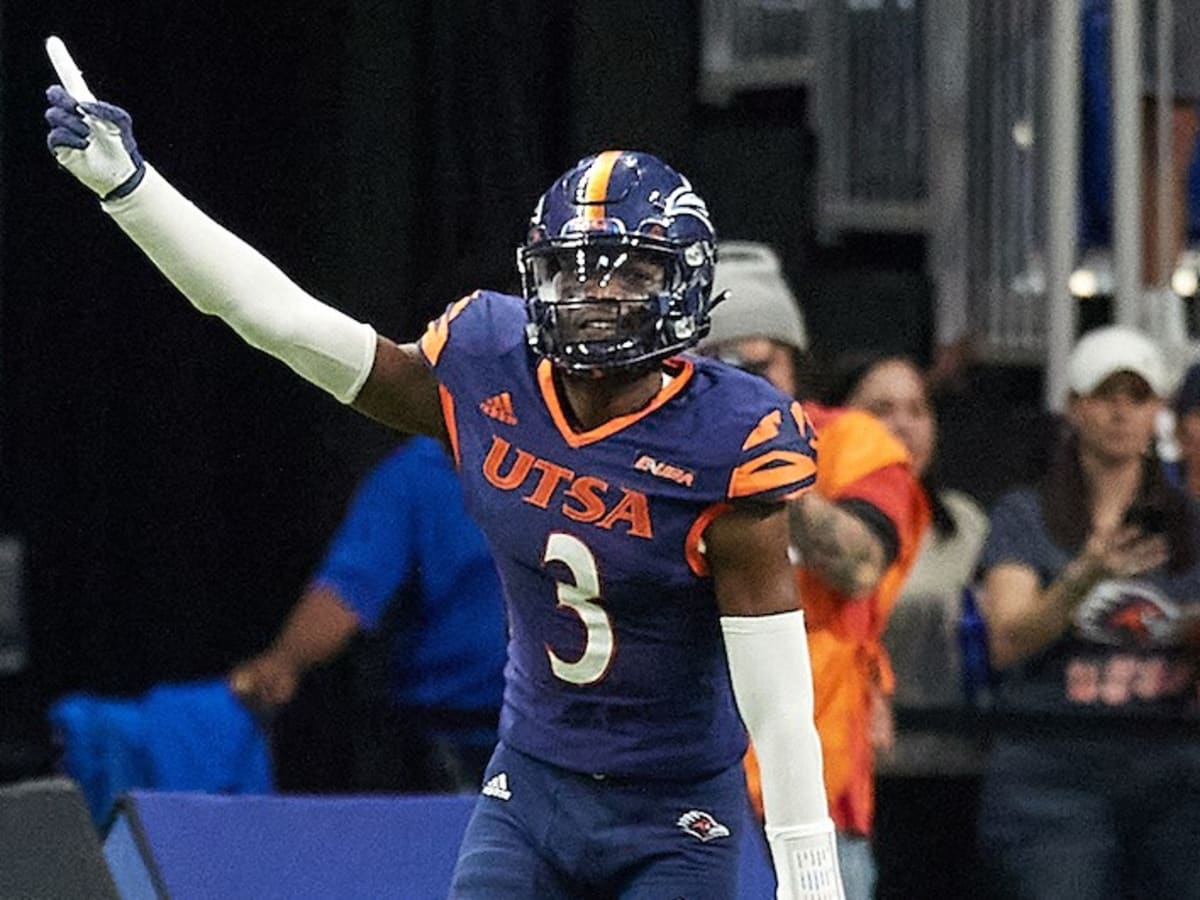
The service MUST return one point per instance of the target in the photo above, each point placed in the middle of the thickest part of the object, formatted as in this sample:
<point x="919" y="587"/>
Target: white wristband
<point x="224" y="276"/>
<point x="806" y="863"/>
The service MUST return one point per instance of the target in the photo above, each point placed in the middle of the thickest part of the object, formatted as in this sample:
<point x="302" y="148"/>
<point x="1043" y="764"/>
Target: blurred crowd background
<point x="168" y="492"/>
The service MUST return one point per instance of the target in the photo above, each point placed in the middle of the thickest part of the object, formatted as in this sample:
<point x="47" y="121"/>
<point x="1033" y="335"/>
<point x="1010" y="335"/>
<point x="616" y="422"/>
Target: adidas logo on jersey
<point x="499" y="407"/>
<point x="701" y="825"/>
<point x="497" y="786"/>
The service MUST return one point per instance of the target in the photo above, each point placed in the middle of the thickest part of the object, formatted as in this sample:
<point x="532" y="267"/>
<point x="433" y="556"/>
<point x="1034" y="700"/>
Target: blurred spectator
<point x="407" y="564"/>
<point x="1090" y="579"/>
<point x="854" y="539"/>
<point x="927" y="782"/>
<point x="1184" y="472"/>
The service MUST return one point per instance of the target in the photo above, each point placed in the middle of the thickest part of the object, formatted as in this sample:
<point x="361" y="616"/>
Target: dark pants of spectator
<point x="925" y="838"/>
<point x="1112" y="818"/>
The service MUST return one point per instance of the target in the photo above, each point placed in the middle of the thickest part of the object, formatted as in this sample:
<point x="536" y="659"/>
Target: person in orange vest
<point x="854" y="539"/>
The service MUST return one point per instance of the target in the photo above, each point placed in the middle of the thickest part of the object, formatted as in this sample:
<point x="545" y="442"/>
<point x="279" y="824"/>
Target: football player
<point x="633" y="498"/>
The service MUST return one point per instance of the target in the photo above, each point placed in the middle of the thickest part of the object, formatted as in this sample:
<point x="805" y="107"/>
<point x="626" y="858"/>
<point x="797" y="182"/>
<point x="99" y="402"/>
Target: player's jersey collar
<point x="681" y="370"/>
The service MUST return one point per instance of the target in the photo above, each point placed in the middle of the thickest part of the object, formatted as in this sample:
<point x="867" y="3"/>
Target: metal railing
<point x="751" y="46"/>
<point x="961" y="120"/>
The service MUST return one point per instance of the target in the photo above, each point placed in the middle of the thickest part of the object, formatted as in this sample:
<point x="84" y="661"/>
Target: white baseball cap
<point x="1106" y="351"/>
<point x="760" y="303"/>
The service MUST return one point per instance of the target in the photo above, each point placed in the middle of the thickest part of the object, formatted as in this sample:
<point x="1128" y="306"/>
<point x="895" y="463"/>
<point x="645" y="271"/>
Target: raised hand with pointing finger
<point x="90" y="139"/>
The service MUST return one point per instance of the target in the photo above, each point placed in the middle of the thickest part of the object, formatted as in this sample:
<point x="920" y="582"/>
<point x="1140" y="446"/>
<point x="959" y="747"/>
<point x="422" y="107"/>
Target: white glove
<point x="90" y="139"/>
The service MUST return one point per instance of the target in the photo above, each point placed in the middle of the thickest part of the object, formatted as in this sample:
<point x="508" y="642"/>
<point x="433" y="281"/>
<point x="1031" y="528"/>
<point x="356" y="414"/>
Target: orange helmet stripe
<point x="595" y="189"/>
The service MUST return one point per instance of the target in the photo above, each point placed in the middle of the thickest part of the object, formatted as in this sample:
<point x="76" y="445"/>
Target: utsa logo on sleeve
<point x="595" y="617"/>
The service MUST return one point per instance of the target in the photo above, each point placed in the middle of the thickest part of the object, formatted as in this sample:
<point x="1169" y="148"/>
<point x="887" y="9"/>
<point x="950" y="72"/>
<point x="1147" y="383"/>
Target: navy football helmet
<point x="617" y="267"/>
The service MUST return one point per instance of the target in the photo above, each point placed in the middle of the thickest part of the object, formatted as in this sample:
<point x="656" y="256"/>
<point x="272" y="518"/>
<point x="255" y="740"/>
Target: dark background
<point x="174" y="487"/>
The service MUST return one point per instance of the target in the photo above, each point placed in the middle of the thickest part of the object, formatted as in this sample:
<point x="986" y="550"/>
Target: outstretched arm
<point x="317" y="630"/>
<point x="223" y="276"/>
<point x="767" y="648"/>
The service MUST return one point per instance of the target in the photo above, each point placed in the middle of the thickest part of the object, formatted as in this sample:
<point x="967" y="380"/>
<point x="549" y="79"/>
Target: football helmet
<point x="617" y="267"/>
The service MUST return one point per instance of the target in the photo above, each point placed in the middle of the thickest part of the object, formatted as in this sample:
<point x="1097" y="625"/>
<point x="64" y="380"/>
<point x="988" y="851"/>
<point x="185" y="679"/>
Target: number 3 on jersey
<point x="581" y="598"/>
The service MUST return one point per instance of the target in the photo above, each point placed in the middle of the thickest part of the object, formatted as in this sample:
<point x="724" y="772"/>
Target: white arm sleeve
<point x="225" y="277"/>
<point x="772" y="682"/>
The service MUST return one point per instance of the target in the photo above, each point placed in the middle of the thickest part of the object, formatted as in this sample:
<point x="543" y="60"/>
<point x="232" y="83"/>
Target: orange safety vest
<point x="844" y="633"/>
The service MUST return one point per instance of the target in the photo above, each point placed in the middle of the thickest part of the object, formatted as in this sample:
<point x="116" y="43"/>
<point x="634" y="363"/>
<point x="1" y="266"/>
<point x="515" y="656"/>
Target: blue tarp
<point x="193" y="736"/>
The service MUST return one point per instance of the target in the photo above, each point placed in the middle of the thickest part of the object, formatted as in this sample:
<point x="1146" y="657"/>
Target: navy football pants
<point x="540" y="831"/>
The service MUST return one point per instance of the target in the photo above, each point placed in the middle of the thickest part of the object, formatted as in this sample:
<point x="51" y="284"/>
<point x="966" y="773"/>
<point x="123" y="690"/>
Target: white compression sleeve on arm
<point x="224" y="276"/>
<point x="772" y="682"/>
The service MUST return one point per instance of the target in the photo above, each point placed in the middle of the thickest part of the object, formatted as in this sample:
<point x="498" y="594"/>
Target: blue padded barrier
<point x="281" y="847"/>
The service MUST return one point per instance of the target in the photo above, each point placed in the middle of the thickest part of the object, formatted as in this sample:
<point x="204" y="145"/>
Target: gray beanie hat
<point x="760" y="303"/>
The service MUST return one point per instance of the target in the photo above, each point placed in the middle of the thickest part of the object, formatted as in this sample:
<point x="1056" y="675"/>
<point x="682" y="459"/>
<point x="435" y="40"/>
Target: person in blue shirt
<point x="407" y="564"/>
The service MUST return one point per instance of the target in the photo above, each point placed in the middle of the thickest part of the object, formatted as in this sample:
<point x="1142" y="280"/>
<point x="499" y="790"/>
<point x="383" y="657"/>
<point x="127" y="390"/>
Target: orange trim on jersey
<point x="767" y="428"/>
<point x="433" y="341"/>
<point x="545" y="377"/>
<point x="596" y="184"/>
<point x="769" y="471"/>
<point x="693" y="545"/>
<point x="447" y="402"/>
<point x="802" y="421"/>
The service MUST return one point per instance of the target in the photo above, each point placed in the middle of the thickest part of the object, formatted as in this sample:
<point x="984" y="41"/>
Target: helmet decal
<point x="684" y="201"/>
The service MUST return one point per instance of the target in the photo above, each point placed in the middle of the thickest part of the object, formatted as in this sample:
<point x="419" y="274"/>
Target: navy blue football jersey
<point x="616" y="663"/>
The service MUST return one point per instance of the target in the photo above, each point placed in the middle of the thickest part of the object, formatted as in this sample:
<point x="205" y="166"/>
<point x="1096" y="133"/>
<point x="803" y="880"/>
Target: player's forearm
<point x="317" y="630"/>
<point x="223" y="276"/>
<point x="772" y="683"/>
<point x="837" y="544"/>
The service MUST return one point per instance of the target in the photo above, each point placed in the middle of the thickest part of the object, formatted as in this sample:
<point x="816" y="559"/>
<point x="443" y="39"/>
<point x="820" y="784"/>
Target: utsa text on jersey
<point x="585" y="498"/>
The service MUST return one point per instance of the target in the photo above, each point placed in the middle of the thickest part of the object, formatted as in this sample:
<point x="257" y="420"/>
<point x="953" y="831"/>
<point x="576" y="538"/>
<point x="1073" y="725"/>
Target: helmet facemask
<point x="605" y="302"/>
<point x="617" y="266"/>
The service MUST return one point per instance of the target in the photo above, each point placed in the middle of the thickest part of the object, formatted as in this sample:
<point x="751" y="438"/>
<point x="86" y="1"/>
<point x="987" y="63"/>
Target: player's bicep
<point x="747" y="551"/>
<point x="402" y="392"/>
